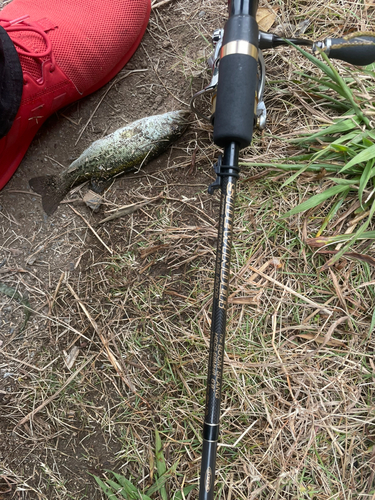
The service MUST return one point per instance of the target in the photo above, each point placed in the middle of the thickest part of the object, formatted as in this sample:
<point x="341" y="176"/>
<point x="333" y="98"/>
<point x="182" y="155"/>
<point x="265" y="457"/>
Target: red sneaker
<point x="67" y="50"/>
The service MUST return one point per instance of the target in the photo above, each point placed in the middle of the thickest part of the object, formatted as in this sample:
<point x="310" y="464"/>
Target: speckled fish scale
<point x="121" y="151"/>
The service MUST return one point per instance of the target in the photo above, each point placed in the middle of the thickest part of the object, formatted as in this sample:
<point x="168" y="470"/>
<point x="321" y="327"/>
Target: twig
<point x="92" y="229"/>
<point x="193" y="207"/>
<point x="31" y="258"/>
<point x="116" y="365"/>
<point x="223" y="445"/>
<point x="129" y="209"/>
<point x="47" y="401"/>
<point x="368" y="283"/>
<point x="57" y="291"/>
<point x="255" y="177"/>
<point x="327" y="336"/>
<point x="28" y="364"/>
<point x="274" y="324"/>
<point x="31" y="193"/>
<point x="193" y="159"/>
<point x="164" y="2"/>
<point x="290" y="290"/>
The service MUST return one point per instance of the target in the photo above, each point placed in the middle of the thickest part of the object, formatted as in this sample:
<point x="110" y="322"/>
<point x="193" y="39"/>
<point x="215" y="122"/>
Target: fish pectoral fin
<point x="48" y="186"/>
<point x="100" y="185"/>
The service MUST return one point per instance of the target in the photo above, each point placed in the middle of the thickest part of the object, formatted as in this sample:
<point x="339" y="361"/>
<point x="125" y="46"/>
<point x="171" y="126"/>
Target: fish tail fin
<point x="48" y="187"/>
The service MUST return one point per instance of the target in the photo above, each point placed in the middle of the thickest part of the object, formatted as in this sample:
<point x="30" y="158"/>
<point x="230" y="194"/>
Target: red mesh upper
<point x="90" y="38"/>
<point x="34" y="42"/>
<point x="83" y="43"/>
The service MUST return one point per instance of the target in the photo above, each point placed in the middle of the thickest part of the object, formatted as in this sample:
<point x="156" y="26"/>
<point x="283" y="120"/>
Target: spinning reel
<point x="357" y="48"/>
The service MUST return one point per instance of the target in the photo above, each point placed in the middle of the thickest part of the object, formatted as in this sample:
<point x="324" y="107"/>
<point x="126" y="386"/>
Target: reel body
<point x="260" y="113"/>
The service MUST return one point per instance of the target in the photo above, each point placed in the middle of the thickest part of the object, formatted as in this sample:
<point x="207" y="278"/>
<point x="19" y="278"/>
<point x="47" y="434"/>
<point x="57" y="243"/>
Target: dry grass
<point x="298" y="395"/>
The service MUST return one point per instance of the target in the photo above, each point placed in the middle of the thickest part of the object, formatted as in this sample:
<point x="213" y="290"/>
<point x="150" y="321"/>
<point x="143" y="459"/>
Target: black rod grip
<point x="207" y="479"/>
<point x="357" y="49"/>
<point x="235" y="102"/>
<point x="247" y="7"/>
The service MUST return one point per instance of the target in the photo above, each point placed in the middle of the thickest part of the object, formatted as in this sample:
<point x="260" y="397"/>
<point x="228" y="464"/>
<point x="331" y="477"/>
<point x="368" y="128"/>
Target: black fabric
<point x="11" y="82"/>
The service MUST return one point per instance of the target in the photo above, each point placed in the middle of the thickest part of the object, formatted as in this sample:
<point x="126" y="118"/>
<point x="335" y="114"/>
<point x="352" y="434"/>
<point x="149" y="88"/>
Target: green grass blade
<point x="162" y="480"/>
<point x="316" y="200"/>
<point x="13" y="294"/>
<point x="370" y="69"/>
<point x="340" y="150"/>
<point x="123" y="491"/>
<point x="295" y="175"/>
<point x="337" y="128"/>
<point x="125" y="483"/>
<point x="158" y="484"/>
<point x="319" y="91"/>
<point x="126" y="488"/>
<point x="368" y="172"/>
<point x="348" y="93"/>
<point x="339" y="238"/>
<point x="345" y="182"/>
<point x="333" y="74"/>
<point x="372" y="325"/>
<point x="332" y="212"/>
<point x="363" y="156"/>
<point x="106" y="489"/>
<point x="333" y="86"/>
<point x="362" y="137"/>
<point x="305" y="138"/>
<point x="367" y="143"/>
<point x="326" y="69"/>
<point x="347" y="138"/>
<point x="357" y="235"/>
<point x="304" y="157"/>
<point x="186" y="491"/>
<point x="333" y="103"/>
<point x="288" y="167"/>
<point x="160" y="462"/>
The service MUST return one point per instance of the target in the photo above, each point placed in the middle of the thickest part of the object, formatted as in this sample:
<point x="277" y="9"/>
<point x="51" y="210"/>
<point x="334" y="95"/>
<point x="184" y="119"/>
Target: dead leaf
<point x="360" y="256"/>
<point x="70" y="358"/>
<point x="320" y="175"/>
<point x="318" y="242"/>
<point x="320" y="339"/>
<point x="244" y="300"/>
<point x="302" y="26"/>
<point x="265" y="19"/>
<point x="93" y="200"/>
<point x="351" y="255"/>
<point x="145" y="252"/>
<point x="338" y="289"/>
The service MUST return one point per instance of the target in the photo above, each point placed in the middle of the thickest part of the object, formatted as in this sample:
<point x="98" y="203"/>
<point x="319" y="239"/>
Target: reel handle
<point x="357" y="48"/>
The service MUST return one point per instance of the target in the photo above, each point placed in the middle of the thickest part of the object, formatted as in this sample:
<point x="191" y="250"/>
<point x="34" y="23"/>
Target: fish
<point x="122" y="151"/>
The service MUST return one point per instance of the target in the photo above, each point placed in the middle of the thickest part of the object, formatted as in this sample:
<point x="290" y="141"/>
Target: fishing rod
<point x="237" y="86"/>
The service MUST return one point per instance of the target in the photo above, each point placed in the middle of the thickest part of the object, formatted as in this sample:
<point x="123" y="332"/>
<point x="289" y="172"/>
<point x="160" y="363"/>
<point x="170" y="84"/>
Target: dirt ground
<point x="38" y="251"/>
<point x="133" y="295"/>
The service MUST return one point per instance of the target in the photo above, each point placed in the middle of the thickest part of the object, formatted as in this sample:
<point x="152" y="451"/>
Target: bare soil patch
<point x="54" y="455"/>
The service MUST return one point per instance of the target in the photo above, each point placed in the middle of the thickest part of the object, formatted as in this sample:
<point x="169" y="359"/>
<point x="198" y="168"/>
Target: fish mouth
<point x="182" y="116"/>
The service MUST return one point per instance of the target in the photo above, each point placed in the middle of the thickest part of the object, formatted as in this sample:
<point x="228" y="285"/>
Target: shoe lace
<point x="19" y="24"/>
